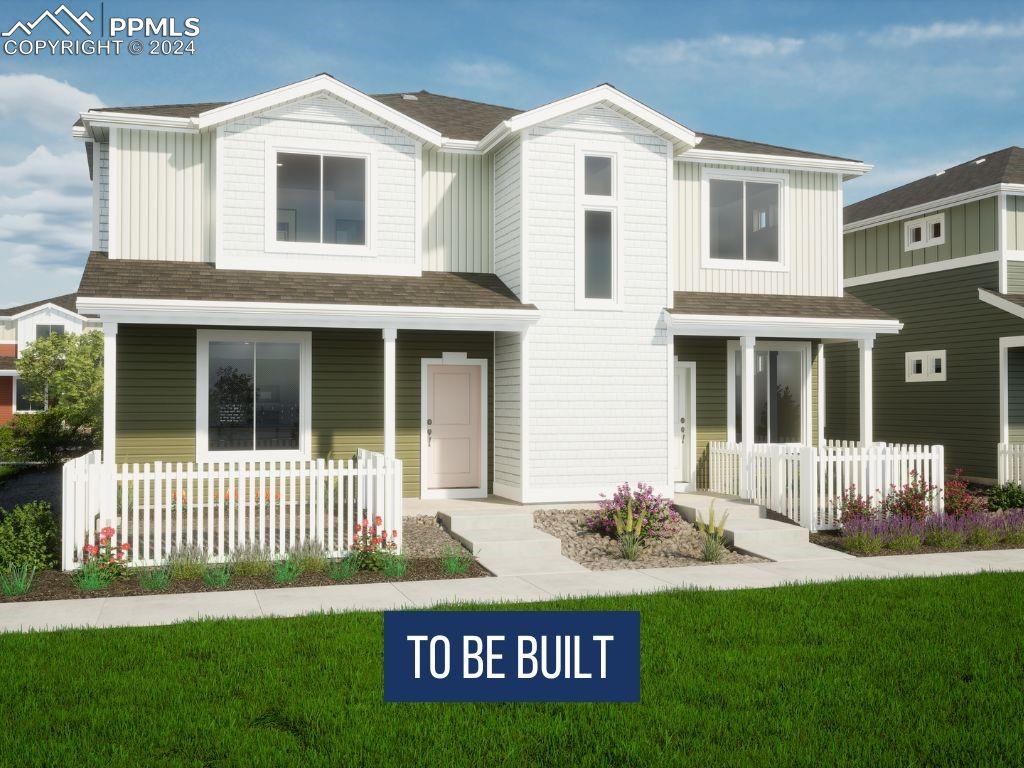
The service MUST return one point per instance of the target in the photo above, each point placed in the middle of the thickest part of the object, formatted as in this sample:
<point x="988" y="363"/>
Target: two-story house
<point x="21" y="325"/>
<point x="537" y="304"/>
<point x="944" y="253"/>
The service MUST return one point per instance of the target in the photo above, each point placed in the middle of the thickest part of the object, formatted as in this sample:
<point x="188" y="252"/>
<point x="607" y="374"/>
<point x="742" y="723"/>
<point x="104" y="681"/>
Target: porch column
<point x="109" y="392"/>
<point x="747" y="344"/>
<point x="390" y="335"/>
<point x="866" y="404"/>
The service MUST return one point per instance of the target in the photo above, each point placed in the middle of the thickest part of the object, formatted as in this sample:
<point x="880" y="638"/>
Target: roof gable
<point x="65" y="302"/>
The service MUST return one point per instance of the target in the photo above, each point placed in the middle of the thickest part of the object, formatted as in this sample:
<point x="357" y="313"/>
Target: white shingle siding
<point x="508" y="214"/>
<point x="507" y="412"/>
<point x="339" y="127"/>
<point x="101" y="182"/>
<point x="597" y="398"/>
<point x="814" y="261"/>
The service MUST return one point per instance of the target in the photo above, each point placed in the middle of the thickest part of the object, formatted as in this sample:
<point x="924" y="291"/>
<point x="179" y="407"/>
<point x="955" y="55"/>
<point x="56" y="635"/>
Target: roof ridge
<point x="446" y="96"/>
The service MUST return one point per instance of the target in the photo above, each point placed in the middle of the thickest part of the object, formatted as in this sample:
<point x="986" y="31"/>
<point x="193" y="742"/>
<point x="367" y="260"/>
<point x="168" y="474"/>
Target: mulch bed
<point x="834" y="540"/>
<point x="600" y="553"/>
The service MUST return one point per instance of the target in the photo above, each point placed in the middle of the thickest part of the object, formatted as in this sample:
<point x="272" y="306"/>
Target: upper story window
<point x="743" y="220"/>
<point x="598" y="280"/>
<point x="42" y="331"/>
<point x="924" y="232"/>
<point x="321" y="199"/>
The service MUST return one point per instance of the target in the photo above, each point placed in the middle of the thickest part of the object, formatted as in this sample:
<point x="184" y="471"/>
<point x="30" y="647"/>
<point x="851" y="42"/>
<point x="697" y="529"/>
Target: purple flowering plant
<point x="655" y="512"/>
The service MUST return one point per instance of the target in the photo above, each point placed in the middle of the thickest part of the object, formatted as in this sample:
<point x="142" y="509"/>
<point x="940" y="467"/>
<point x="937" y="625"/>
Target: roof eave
<point x="850" y="169"/>
<point x="832" y="328"/>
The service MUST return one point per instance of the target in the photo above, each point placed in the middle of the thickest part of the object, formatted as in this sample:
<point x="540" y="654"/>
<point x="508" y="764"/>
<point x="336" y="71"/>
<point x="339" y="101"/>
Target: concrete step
<point x="501" y="565"/>
<point x="692" y="504"/>
<point x="499" y="542"/>
<point x="782" y="553"/>
<point x="464" y="522"/>
<point x="749" y="535"/>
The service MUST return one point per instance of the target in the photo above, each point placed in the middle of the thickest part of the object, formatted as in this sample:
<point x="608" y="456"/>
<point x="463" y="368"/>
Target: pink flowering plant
<point x="913" y="499"/>
<point x="104" y="562"/>
<point x="372" y="546"/>
<point x="656" y="513"/>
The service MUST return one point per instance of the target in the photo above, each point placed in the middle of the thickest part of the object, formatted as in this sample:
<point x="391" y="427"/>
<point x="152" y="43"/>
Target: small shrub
<point x="945" y="532"/>
<point x="712" y="536"/>
<point x="310" y="556"/>
<point x="1006" y="496"/>
<point x="983" y="536"/>
<point x="959" y="501"/>
<point x="251" y="561"/>
<point x="1011" y="528"/>
<point x="629" y="531"/>
<point x="903" y="534"/>
<point x="904" y="542"/>
<point x="216" y="575"/>
<point x="286" y="571"/>
<point x="394" y="565"/>
<point x="711" y="550"/>
<point x="91" y="576"/>
<point x="344" y="569"/>
<point x="655" y="512"/>
<point x="456" y="560"/>
<point x="187" y="563"/>
<point x="854" y="506"/>
<point x="370" y="543"/>
<point x="105" y="557"/>
<point x="16" y="579"/>
<point x="913" y="500"/>
<point x="863" y="543"/>
<point x="28" y="536"/>
<point x="154" y="579"/>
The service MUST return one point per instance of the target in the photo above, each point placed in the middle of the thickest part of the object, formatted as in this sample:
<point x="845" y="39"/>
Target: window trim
<point x="761" y="177"/>
<point x="927" y="358"/>
<point x="606" y="203"/>
<point x="320" y="149"/>
<point x="203" y="339"/>
<point x="806" y="378"/>
<point x="925" y="222"/>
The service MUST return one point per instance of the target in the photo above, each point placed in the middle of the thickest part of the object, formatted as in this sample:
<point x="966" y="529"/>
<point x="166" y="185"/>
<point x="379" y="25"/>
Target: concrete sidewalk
<point x="152" y="610"/>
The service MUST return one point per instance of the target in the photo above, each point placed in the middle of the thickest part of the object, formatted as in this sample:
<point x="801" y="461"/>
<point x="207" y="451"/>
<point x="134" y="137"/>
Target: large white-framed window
<point x="319" y="200"/>
<point x="782" y="392"/>
<point x="253" y="395"/>
<point x="24" y="402"/>
<point x="929" y="365"/>
<point x="598" y="229"/>
<point x="743" y="223"/>
<point x="924" y="232"/>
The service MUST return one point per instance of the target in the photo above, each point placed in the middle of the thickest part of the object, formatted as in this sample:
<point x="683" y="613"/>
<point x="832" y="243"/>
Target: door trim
<point x="480" y="491"/>
<point x="690" y="483"/>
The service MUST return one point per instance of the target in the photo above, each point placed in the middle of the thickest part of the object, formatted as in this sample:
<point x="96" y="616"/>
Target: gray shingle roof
<point x="727" y="144"/>
<point x="1006" y="166"/>
<point x="137" y="279"/>
<point x="66" y="301"/>
<point x="846" y="307"/>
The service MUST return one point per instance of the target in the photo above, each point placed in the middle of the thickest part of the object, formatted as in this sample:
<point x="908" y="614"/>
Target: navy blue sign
<point x="512" y="656"/>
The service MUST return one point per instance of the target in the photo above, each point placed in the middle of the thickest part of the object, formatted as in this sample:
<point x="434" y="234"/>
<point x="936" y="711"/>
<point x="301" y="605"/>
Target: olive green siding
<point x="1015" y="277"/>
<point x="842" y="392"/>
<point x="1015" y="222"/>
<point x="971" y="228"/>
<point x="156" y="392"/>
<point x="939" y="311"/>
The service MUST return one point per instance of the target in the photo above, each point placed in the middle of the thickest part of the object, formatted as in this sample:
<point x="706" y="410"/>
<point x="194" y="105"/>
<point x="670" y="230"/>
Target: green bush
<point x="982" y="537"/>
<point x="217" y="576"/>
<point x="344" y="569"/>
<point x="904" y="542"/>
<point x="310" y="557"/>
<point x="863" y="543"/>
<point x="456" y="560"/>
<point x="1006" y="496"/>
<point x="944" y="538"/>
<point x="394" y="565"/>
<point x="251" y="561"/>
<point x="46" y="437"/>
<point x="154" y="579"/>
<point x="286" y="571"/>
<point x="187" y="563"/>
<point x="28" y="536"/>
<point x="92" y="576"/>
<point x="16" y="579"/>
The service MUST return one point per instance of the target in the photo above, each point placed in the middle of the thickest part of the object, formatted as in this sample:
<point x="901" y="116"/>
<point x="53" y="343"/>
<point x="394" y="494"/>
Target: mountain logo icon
<point x="62" y="17"/>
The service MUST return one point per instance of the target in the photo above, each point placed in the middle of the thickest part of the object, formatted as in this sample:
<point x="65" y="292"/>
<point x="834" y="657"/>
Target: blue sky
<point x="908" y="87"/>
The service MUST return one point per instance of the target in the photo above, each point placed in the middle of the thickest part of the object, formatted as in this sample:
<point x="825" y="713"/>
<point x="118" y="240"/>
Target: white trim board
<point x="848" y="168"/>
<point x="933" y="205"/>
<point x="1005" y="344"/>
<point x="923" y="269"/>
<point x="690" y="482"/>
<point x="785" y="327"/>
<point x="707" y="175"/>
<point x="1000" y="303"/>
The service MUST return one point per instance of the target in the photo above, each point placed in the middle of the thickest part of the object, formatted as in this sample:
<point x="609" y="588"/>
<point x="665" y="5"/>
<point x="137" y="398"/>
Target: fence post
<point x="398" y="500"/>
<point x="808" y="488"/>
<point x="939" y="477"/>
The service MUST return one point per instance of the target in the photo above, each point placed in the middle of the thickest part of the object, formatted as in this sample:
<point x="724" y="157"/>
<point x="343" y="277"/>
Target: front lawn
<point x="909" y="672"/>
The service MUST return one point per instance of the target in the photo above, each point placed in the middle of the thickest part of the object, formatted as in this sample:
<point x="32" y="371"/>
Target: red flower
<point x="125" y="547"/>
<point x="108" y="532"/>
<point x="90" y="549"/>
<point x="378" y="520"/>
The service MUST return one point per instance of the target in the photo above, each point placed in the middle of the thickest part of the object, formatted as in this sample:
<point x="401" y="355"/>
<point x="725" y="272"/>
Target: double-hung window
<point x="322" y="199"/>
<point x="743" y="220"/>
<point x="598" y="280"/>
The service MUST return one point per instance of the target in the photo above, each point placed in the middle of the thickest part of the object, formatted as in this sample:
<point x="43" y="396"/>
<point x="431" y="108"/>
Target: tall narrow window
<point x="598" y="254"/>
<point x="598" y="204"/>
<point x="743" y="220"/>
<point x="321" y="199"/>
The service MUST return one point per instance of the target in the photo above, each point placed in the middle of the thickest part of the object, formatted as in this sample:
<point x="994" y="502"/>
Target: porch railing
<point x="220" y="507"/>
<point x="1011" y="463"/>
<point x="805" y="483"/>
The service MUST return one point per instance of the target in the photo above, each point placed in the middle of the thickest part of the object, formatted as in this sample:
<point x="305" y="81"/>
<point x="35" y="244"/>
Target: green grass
<point x="910" y="672"/>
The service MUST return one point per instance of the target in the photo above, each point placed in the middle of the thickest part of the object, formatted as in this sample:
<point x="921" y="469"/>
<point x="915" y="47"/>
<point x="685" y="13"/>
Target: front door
<point x="453" y="428"/>
<point x="685" y="395"/>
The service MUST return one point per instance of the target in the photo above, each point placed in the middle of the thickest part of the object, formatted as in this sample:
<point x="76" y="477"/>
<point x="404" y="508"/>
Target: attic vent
<point x="410" y="97"/>
<point x="979" y="161"/>
<point x="939" y="173"/>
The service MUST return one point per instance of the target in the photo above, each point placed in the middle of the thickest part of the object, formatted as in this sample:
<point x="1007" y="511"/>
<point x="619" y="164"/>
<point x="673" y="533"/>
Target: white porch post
<point x="866" y="400"/>
<point x="747" y="344"/>
<point x="109" y="392"/>
<point x="390" y="335"/>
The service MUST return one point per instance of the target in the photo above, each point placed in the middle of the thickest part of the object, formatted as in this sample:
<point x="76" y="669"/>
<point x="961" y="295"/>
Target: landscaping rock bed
<point x="600" y="553"/>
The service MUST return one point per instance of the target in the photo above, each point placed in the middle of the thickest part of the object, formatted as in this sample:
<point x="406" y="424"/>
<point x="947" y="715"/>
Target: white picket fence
<point x="805" y="483"/>
<point x="219" y="507"/>
<point x="1011" y="463"/>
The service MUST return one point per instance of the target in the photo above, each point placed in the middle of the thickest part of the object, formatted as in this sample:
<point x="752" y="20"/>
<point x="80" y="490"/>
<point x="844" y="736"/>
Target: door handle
<point x="429" y="433"/>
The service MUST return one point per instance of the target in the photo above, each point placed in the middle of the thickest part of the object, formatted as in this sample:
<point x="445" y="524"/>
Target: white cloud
<point x="484" y="74"/>
<point x="42" y="102"/>
<point x="940" y="31"/>
<point x="715" y="49"/>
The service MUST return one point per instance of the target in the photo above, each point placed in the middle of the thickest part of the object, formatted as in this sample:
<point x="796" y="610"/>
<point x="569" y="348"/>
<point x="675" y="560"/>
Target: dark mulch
<point x="58" y="585"/>
<point x="834" y="540"/>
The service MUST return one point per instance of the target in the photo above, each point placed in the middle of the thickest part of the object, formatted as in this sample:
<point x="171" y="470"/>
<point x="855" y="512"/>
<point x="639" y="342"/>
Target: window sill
<point x="739" y="265"/>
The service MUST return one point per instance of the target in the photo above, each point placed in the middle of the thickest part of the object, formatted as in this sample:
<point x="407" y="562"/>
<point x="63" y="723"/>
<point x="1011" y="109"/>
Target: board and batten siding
<point x="812" y="235"/>
<point x="164" y="189"/>
<point x="330" y="125"/>
<point x="597" y="388"/>
<point x="508" y="413"/>
<point x="508" y="209"/>
<point x="457" y="210"/>
<point x="1015" y="222"/>
<point x="940" y="310"/>
<point x="971" y="228"/>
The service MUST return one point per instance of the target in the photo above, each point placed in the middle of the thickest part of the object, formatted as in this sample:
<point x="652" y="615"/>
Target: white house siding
<point x="1015" y="222"/>
<point x="597" y="389"/>
<point x="508" y="214"/>
<point x="813" y="236"/>
<point x="163" y="195"/>
<point x="507" y="413"/>
<point x="8" y="330"/>
<point x="329" y="124"/>
<point x="101" y="194"/>
<point x="457" y="205"/>
<point x="26" y="326"/>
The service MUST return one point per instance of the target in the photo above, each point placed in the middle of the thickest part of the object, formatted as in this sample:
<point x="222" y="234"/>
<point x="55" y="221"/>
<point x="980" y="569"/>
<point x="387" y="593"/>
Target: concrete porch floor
<point x="490" y="505"/>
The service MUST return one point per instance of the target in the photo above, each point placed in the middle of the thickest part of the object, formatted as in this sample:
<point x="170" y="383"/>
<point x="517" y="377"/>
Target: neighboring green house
<point x="944" y="254"/>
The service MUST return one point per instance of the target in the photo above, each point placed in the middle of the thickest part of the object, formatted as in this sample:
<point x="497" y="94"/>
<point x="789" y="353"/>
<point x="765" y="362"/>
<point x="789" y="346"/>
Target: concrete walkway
<point x="168" y="609"/>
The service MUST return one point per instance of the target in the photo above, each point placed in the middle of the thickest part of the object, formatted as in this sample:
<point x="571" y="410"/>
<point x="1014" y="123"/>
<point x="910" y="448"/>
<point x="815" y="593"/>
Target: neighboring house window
<point x="254" y="394"/>
<point x="42" y="331"/>
<point x="23" y="403"/>
<point x="924" y="232"/>
<point x="597" y="269"/>
<point x="743" y="220"/>
<point x="321" y="199"/>
<point x="926" y="366"/>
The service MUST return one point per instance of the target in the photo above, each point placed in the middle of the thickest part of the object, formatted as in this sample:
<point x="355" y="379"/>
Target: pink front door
<point x="453" y="426"/>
